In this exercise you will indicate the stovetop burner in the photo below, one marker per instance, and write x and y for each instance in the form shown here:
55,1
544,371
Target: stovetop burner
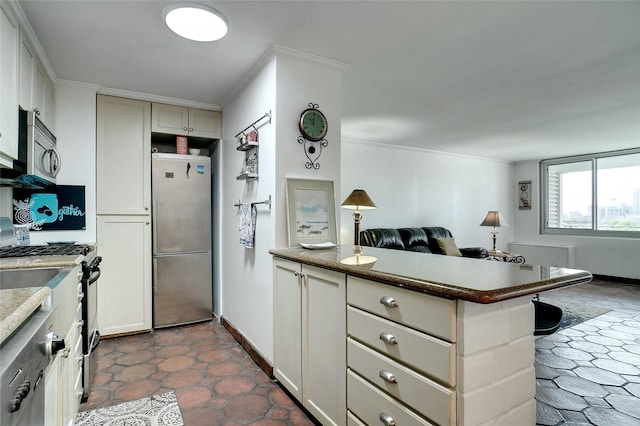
45,250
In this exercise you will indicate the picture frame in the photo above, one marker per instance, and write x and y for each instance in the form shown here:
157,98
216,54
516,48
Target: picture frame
524,195
311,211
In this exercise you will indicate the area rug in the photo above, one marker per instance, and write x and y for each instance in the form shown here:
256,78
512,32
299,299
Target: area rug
576,313
156,410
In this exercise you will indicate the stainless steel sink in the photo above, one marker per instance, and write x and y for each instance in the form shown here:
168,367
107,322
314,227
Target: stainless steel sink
22,278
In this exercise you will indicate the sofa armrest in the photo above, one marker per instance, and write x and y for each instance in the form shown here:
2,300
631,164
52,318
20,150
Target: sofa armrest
475,252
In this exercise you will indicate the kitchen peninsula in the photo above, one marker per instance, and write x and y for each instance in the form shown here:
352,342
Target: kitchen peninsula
412,338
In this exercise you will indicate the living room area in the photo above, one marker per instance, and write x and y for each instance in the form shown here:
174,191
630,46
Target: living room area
587,370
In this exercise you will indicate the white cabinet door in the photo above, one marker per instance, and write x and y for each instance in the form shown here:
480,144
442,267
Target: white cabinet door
169,119
287,326
53,402
205,124
124,288
27,59
179,120
8,90
123,169
324,344
310,338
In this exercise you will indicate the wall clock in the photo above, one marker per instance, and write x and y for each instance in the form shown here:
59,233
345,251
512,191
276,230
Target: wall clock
313,125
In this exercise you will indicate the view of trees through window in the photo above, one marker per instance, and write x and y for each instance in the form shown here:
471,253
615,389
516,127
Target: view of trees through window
610,182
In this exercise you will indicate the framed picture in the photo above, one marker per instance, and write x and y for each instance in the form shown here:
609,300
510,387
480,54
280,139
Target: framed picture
311,211
524,195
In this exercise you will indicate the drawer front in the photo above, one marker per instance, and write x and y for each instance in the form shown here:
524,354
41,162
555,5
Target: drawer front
430,356
430,314
370,405
428,398
352,420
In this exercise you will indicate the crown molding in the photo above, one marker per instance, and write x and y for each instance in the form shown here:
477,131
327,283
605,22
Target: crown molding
156,98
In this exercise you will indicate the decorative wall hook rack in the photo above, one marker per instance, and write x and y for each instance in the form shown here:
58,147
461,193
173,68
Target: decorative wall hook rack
256,124
267,202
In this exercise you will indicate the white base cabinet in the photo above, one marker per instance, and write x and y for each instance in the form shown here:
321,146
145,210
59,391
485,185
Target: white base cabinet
125,292
411,358
310,338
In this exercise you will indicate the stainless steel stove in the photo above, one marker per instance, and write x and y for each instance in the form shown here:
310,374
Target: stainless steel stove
45,250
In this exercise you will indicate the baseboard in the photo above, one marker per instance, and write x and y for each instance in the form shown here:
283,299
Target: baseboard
616,279
253,352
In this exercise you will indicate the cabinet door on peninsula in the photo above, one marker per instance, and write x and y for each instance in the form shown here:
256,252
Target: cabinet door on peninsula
309,337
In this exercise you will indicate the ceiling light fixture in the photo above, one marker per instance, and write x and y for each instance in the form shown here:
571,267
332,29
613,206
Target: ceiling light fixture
194,21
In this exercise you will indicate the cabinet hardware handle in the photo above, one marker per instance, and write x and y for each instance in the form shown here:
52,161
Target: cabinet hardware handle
184,128
80,323
36,111
388,377
191,129
387,420
147,222
388,338
389,301
146,208
65,352
295,273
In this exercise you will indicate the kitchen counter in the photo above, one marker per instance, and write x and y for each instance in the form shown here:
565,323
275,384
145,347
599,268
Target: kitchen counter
40,262
17,305
474,280
457,333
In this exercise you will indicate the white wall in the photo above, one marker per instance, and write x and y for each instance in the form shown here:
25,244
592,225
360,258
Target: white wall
618,257
413,188
245,274
285,85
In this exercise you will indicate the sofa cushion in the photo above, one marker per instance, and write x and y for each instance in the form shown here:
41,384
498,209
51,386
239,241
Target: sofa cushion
415,239
448,246
382,237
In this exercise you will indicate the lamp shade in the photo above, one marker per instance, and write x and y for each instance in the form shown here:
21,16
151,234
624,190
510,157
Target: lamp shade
358,200
494,218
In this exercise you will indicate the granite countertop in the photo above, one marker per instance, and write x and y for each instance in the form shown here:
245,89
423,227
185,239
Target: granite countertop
475,280
40,261
17,305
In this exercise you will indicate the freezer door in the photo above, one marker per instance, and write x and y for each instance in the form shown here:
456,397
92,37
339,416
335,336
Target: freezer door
181,189
181,289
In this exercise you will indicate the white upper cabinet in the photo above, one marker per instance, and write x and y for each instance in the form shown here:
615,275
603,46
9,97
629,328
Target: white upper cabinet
178,120
8,89
36,88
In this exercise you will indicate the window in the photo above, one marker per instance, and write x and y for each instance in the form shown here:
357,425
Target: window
596,194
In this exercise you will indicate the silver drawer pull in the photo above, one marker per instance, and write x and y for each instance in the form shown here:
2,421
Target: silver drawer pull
388,338
388,377
389,301
387,420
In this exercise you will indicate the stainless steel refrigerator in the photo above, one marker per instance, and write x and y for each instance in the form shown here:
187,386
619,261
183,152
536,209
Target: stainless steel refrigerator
181,212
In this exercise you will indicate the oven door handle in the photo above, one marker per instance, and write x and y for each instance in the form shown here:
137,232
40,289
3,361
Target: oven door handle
94,276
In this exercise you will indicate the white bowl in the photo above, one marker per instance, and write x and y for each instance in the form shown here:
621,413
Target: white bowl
194,151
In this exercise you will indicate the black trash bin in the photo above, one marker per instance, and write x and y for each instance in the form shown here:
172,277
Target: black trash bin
547,318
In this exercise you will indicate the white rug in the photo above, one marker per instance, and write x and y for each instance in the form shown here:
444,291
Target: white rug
156,410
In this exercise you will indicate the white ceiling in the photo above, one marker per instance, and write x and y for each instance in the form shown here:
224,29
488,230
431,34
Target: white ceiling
505,80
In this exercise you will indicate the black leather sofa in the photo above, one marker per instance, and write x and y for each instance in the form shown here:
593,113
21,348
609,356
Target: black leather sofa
425,240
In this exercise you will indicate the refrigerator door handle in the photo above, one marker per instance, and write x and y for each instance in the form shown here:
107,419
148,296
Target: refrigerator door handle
154,228
155,275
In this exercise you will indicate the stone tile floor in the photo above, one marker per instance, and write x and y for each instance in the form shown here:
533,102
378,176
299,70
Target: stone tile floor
215,381
589,374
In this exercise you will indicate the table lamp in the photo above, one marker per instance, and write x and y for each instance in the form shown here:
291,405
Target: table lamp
495,219
358,200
